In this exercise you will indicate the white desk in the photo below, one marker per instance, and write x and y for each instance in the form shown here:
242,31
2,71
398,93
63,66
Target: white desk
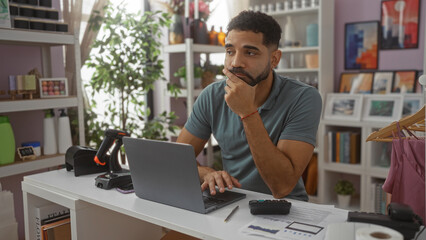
108,214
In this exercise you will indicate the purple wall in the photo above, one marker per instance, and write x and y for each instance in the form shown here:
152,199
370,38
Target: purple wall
369,10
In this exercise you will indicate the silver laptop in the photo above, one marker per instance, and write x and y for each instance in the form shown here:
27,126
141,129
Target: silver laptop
166,172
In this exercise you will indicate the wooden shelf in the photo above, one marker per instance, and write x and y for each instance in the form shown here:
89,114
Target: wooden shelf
37,104
27,37
19,166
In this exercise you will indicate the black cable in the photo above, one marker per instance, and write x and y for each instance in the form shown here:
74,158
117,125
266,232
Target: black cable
420,233
418,218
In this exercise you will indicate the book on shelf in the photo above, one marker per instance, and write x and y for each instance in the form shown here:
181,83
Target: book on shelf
57,230
378,198
344,147
46,213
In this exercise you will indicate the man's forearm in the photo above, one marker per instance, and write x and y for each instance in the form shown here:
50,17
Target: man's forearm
276,169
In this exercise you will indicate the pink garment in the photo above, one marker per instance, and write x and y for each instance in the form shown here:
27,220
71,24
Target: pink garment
406,177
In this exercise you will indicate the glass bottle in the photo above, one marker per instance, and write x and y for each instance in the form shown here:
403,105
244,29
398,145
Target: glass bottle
176,30
221,37
213,37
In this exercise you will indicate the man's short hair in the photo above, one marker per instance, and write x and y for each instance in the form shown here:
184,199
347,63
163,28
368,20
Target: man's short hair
257,22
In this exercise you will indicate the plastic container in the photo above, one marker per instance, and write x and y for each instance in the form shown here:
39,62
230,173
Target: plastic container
49,134
7,141
36,145
64,132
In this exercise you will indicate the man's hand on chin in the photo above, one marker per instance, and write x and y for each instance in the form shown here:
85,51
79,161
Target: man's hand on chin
239,95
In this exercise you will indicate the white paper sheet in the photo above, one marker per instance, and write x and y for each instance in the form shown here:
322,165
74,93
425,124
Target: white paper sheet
305,221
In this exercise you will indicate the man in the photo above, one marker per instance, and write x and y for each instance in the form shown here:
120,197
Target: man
265,124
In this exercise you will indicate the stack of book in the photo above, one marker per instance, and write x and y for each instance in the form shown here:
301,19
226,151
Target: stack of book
344,146
8,224
378,198
52,221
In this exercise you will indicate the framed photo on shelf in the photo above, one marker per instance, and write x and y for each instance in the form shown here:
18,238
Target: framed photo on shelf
343,106
382,82
53,87
399,24
361,45
412,103
404,81
378,107
356,82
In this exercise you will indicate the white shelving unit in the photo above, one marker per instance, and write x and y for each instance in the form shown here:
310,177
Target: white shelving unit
190,50
363,175
44,40
302,17
323,15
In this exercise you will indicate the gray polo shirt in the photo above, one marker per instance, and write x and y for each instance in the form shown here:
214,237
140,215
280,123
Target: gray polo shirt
292,111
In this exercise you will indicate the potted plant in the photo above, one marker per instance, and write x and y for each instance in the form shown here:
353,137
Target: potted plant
344,190
125,69
181,74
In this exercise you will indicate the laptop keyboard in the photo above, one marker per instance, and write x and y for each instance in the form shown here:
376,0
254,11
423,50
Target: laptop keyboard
211,201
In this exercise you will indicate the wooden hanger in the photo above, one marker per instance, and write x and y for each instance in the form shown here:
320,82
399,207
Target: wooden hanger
415,122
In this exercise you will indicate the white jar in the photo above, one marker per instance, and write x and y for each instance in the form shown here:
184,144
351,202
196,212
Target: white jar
271,7
264,8
279,6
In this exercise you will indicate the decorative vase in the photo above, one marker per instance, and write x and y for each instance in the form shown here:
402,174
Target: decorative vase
312,35
176,30
199,31
343,201
289,33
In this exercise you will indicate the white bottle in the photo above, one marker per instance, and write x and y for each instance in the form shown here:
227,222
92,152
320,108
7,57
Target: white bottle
49,134
289,33
64,132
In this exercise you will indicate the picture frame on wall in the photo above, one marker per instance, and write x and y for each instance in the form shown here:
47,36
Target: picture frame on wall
343,106
382,82
384,108
53,87
412,103
361,45
356,82
404,81
399,24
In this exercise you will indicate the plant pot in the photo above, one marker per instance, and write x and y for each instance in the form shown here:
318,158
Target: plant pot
343,200
197,82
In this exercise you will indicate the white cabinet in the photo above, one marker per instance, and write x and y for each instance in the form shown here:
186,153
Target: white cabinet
45,41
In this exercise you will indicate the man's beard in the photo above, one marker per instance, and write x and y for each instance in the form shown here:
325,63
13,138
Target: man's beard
249,79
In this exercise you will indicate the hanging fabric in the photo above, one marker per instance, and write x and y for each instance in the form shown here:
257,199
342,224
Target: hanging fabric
406,177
